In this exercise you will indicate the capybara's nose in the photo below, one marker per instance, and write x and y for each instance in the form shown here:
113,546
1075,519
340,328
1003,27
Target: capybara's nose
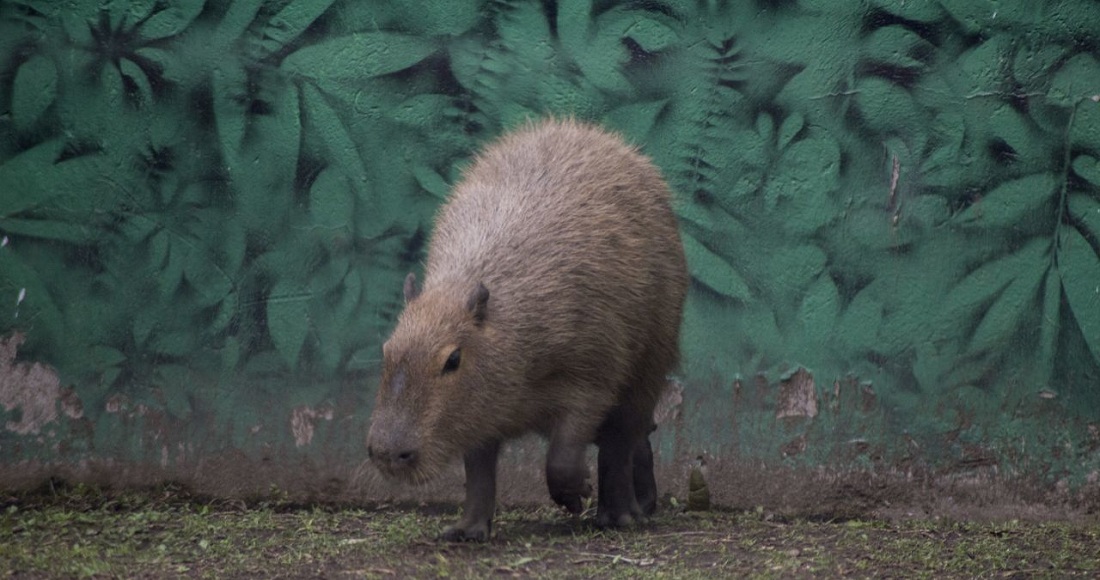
406,458
403,459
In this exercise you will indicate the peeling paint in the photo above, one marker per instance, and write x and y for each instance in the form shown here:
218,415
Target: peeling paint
794,446
669,407
71,405
797,396
302,420
32,388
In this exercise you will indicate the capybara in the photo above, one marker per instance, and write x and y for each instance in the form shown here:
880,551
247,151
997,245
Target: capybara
551,302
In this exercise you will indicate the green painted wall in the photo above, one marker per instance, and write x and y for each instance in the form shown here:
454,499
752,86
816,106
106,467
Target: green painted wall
891,209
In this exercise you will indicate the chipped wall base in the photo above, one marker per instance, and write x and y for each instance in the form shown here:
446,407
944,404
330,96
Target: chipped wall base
775,491
793,445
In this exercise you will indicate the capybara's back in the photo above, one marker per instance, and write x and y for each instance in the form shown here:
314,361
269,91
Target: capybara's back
551,302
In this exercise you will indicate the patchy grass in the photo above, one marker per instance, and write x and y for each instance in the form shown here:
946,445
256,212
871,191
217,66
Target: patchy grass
85,532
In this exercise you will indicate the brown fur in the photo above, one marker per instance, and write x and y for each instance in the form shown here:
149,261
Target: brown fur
571,232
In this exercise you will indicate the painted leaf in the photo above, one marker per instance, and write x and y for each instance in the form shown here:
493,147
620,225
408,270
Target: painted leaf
1087,210
1087,167
330,275
144,322
229,88
170,21
1077,80
896,46
1004,317
230,354
331,201
713,271
227,310
791,126
431,17
525,39
1048,328
168,279
358,56
422,110
291,22
48,230
651,34
886,107
137,79
1033,62
344,154
765,127
364,359
33,91
635,120
809,167
969,300
106,356
236,20
819,310
859,325
288,319
431,181
175,379
788,270
1079,267
176,343
1009,202
25,295
598,51
925,12
210,282
260,150
35,177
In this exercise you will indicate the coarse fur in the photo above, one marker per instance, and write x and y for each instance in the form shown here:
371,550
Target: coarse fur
551,302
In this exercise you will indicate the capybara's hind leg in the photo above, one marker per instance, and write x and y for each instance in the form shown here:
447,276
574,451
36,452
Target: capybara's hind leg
619,436
645,483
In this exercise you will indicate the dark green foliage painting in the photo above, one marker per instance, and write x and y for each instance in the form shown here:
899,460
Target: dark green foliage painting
891,211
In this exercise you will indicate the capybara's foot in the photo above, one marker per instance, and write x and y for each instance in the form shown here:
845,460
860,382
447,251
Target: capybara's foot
476,532
571,497
568,485
606,519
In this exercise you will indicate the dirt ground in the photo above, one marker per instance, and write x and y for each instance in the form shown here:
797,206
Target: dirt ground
64,531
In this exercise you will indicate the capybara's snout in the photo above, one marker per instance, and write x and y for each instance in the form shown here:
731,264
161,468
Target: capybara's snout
394,449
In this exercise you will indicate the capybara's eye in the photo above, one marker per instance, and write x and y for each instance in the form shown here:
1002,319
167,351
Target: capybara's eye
453,361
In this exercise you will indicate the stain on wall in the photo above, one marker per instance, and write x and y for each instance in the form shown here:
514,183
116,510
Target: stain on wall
891,212
31,390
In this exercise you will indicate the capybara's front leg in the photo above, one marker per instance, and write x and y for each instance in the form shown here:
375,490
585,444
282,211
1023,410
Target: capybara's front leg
476,524
566,472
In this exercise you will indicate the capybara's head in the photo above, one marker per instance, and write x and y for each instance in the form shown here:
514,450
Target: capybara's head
433,377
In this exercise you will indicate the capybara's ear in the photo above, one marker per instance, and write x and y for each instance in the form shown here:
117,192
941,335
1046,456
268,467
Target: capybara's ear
478,302
411,291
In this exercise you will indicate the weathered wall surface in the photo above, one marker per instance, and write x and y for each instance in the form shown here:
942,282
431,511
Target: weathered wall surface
891,210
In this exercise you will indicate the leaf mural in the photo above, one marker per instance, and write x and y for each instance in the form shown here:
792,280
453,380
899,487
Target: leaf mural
289,23
288,319
260,134
359,56
1079,265
1009,203
904,196
713,271
33,91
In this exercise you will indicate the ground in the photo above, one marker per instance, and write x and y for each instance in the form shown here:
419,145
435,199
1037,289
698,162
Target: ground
63,531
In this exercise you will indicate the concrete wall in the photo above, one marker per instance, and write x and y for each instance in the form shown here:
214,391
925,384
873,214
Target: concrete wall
891,210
